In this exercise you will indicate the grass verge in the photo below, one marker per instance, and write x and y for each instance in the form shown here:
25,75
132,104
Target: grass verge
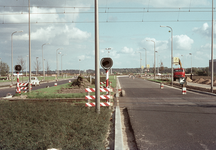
52,92
45,125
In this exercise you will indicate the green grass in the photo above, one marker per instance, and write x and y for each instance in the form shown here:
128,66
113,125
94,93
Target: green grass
45,125
52,92
40,78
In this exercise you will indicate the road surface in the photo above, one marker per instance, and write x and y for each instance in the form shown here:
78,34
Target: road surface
4,91
164,119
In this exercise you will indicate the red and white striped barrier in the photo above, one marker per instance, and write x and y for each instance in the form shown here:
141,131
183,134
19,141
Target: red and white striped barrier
23,84
102,82
93,104
184,90
55,84
101,97
102,86
101,90
17,87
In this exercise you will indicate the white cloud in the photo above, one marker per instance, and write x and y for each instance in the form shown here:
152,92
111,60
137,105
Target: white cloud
127,50
182,42
59,33
204,30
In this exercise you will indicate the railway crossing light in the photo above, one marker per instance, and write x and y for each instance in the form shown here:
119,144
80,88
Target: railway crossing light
106,63
18,68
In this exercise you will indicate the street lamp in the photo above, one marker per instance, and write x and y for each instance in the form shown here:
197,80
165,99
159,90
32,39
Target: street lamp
43,60
61,62
156,60
191,64
26,64
140,63
154,57
171,52
57,61
36,66
145,58
12,54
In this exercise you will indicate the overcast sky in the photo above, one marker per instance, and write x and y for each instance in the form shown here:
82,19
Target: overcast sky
124,26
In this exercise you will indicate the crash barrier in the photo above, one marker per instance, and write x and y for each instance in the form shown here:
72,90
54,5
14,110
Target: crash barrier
90,97
184,90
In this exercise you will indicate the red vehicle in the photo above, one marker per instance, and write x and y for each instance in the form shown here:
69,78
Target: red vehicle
179,72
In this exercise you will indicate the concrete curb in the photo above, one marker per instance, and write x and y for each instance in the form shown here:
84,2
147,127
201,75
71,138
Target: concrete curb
188,89
118,130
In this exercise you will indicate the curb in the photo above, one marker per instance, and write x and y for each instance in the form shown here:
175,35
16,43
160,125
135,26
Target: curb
191,90
118,130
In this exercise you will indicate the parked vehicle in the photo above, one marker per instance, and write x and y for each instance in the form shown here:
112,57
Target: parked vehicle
35,81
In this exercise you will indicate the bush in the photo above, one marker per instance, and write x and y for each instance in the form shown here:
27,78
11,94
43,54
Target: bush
45,125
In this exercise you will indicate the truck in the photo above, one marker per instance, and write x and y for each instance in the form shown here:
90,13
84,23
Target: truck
179,72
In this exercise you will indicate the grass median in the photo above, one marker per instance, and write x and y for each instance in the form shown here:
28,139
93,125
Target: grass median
42,125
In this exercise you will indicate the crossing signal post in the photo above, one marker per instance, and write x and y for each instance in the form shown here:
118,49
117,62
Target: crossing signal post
18,68
106,63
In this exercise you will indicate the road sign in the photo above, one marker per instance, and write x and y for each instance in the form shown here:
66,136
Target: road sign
175,60
142,67
148,66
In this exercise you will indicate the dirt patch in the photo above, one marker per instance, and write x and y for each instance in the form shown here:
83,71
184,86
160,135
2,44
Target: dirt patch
208,81
200,80
71,90
188,79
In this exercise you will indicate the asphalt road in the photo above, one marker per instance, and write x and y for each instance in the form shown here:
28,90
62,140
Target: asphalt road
3,92
164,119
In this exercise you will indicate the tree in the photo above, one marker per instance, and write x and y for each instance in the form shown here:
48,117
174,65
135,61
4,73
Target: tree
48,68
161,67
4,68
37,66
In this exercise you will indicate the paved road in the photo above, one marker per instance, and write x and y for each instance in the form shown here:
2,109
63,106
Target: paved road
3,92
166,119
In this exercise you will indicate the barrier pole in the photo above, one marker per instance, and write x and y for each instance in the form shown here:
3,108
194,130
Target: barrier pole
17,87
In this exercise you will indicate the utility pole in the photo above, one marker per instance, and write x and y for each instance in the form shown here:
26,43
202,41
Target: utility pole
29,49
212,52
97,69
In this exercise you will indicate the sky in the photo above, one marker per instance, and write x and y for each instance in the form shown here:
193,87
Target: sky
128,28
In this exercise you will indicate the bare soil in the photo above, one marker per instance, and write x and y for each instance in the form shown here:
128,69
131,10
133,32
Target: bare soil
71,90
201,80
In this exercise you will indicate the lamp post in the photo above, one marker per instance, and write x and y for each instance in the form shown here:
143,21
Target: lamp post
140,63
191,64
61,63
12,54
57,61
145,58
26,64
43,61
154,58
171,52
36,66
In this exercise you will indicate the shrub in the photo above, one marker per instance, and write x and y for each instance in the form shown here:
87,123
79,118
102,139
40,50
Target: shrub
45,125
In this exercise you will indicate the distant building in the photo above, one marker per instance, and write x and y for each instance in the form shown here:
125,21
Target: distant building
213,65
